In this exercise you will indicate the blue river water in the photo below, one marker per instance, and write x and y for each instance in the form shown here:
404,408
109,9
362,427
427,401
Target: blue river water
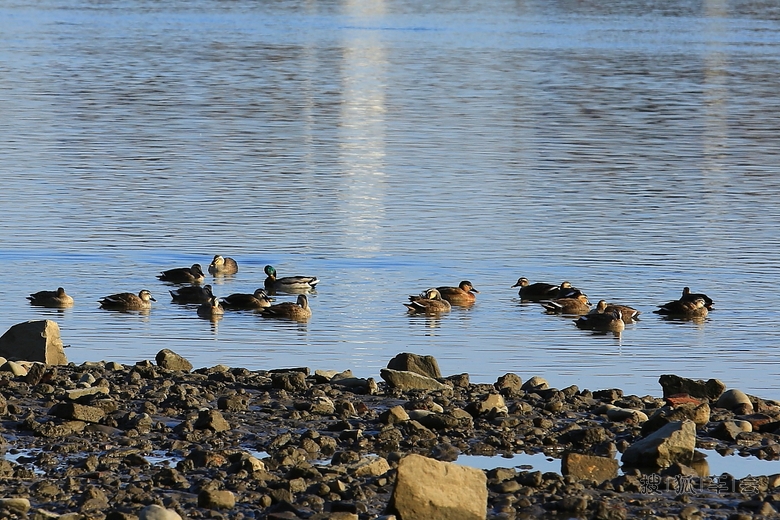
391,146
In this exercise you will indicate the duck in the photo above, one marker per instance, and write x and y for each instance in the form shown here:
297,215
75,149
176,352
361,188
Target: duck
192,274
242,301
684,309
430,302
688,296
223,265
628,314
211,308
299,310
576,305
535,291
128,301
56,298
463,294
288,284
192,294
612,321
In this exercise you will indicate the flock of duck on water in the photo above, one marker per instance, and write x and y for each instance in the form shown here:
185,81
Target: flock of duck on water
210,306
556,299
564,299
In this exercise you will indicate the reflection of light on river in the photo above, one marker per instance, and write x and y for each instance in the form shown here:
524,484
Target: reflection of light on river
715,88
362,128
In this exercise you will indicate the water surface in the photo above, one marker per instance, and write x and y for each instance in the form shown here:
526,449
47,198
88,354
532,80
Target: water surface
391,146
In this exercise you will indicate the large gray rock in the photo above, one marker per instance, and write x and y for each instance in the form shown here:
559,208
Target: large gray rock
34,341
426,489
423,365
589,467
405,380
672,385
672,443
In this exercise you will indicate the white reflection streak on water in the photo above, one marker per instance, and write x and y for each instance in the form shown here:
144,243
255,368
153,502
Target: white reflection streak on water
362,140
715,89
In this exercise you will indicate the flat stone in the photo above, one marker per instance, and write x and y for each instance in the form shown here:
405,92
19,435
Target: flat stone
589,467
427,489
34,341
406,380
78,393
616,413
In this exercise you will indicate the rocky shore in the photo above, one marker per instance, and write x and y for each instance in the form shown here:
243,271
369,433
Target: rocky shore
159,440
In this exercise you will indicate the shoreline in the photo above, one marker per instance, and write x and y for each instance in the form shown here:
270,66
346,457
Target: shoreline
105,440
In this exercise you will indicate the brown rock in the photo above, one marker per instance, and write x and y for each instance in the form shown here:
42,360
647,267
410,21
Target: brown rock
216,499
211,419
77,412
427,489
589,467
406,380
509,383
170,360
35,374
396,414
34,341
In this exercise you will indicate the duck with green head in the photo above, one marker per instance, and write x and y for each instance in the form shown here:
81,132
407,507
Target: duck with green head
288,284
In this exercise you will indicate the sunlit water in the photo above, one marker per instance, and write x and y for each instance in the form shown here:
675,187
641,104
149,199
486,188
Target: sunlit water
387,147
